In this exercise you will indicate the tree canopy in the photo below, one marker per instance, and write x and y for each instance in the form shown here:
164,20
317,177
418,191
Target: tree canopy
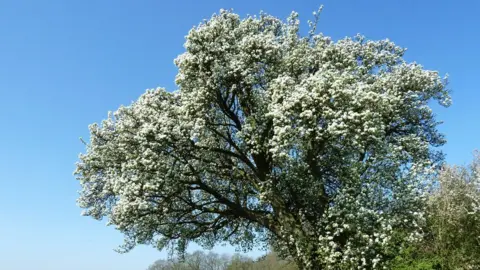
316,147
199,260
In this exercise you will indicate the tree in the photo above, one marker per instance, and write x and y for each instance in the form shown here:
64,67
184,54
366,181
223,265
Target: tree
268,262
452,238
213,261
197,260
163,265
272,262
454,217
312,146
240,262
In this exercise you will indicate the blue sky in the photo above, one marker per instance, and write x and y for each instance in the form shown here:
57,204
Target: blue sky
65,64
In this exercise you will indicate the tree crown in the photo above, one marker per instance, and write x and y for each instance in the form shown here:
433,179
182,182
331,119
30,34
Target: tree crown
289,140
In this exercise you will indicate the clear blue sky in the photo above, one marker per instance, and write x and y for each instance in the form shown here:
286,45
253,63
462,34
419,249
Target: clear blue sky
64,64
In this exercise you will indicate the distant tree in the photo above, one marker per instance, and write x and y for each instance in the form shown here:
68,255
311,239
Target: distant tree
313,146
454,217
197,260
240,262
213,261
452,238
272,262
162,265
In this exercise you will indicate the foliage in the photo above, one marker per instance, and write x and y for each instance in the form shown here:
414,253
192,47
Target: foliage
454,219
239,262
213,261
312,146
197,260
416,257
272,262
452,239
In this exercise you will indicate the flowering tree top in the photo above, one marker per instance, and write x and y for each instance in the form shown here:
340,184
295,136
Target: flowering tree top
303,143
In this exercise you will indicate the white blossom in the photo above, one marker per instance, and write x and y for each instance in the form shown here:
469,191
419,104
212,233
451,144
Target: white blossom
319,148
